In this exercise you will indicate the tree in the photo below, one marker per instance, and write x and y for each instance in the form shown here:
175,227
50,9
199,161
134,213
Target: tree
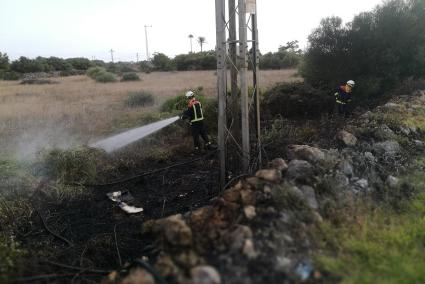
162,62
4,61
190,38
379,49
201,41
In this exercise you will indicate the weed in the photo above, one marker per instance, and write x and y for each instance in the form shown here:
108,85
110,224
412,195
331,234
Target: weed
71,166
10,255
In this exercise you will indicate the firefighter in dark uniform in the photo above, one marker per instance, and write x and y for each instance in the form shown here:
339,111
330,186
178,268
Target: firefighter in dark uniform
196,118
343,97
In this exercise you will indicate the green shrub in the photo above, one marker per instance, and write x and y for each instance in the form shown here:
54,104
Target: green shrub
132,76
71,166
105,77
137,99
92,72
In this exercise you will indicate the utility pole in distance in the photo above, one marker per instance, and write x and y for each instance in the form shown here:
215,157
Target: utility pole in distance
112,55
147,44
137,57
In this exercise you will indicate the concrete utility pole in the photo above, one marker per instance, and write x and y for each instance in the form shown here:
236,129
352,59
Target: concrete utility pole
147,44
243,67
112,55
234,121
190,38
221,85
137,57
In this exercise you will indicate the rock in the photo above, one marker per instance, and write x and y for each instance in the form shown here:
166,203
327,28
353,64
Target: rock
391,106
361,185
166,266
249,212
198,217
405,130
310,196
392,182
282,264
347,138
370,157
272,175
304,152
205,274
232,195
247,197
187,259
366,115
138,276
346,168
238,236
341,180
299,170
419,143
385,129
389,148
175,230
248,249
278,164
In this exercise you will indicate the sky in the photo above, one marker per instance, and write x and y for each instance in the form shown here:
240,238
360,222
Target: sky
91,28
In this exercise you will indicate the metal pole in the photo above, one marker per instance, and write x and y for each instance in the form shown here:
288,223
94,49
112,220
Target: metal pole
255,69
244,87
221,84
147,44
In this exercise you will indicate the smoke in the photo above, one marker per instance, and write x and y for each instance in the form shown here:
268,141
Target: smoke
34,140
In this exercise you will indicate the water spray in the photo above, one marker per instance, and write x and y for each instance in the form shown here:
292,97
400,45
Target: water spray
118,141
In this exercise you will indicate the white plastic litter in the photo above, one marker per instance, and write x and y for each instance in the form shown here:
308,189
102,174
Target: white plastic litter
119,196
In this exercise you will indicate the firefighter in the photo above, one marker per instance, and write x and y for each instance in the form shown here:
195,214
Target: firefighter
343,97
195,116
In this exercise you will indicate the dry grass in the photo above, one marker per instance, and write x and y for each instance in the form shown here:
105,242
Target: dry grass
80,108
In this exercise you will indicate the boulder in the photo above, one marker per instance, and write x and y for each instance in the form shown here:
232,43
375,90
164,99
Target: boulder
304,152
392,182
310,196
248,249
249,212
346,168
205,274
238,236
299,170
174,230
405,130
271,175
278,164
347,138
361,185
370,157
388,148
419,143
138,276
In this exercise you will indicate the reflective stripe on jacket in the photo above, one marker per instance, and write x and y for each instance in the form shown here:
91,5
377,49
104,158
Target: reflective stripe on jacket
195,108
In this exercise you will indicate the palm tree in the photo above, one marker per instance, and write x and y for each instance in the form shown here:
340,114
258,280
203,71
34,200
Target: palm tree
190,37
201,41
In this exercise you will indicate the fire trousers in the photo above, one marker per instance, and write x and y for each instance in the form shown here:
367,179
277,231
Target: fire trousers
198,129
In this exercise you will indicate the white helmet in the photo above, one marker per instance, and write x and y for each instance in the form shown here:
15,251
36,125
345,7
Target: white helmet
190,94
351,83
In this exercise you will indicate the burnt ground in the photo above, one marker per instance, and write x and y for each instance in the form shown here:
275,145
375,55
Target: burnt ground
86,236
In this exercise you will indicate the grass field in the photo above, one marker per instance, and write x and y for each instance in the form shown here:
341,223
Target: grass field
76,109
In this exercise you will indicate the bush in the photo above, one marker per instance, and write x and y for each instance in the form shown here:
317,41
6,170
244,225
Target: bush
71,166
297,100
9,75
101,75
288,56
137,99
92,72
130,77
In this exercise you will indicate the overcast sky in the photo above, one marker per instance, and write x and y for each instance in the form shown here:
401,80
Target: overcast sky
90,28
